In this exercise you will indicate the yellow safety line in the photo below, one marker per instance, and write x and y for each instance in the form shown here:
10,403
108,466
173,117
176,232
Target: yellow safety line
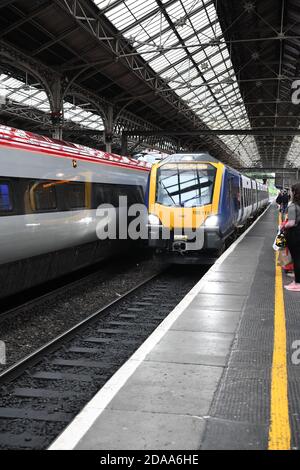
280,432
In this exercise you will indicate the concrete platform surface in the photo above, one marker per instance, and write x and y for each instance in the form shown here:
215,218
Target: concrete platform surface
203,379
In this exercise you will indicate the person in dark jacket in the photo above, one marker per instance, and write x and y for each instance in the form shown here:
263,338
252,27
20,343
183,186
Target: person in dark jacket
283,201
292,233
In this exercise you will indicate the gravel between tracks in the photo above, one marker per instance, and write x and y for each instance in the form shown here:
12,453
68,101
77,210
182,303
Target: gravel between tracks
32,326
38,404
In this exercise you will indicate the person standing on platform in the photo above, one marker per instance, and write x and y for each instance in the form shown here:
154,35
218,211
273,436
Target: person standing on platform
283,201
292,233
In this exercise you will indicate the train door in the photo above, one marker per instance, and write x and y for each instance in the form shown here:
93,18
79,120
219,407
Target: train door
241,200
234,201
255,196
244,197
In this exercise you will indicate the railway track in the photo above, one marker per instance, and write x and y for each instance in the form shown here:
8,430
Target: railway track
11,305
41,318
41,394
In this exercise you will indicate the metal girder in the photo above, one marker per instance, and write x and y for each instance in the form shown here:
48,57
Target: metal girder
89,18
271,170
5,3
29,114
42,123
203,132
48,75
41,8
86,17
189,55
52,42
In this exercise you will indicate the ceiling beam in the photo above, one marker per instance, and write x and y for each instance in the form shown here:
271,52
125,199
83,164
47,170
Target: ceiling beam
254,132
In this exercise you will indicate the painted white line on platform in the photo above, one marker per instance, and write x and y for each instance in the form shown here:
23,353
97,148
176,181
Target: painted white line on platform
91,412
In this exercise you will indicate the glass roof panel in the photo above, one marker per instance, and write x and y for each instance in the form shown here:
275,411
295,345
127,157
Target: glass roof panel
30,96
196,24
182,41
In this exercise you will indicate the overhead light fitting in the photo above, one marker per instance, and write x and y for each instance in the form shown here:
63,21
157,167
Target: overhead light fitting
131,40
215,42
255,55
228,81
180,21
249,6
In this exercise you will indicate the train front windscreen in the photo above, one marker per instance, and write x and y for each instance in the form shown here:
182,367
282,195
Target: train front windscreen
185,184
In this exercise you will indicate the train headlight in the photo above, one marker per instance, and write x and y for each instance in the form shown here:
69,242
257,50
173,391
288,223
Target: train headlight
153,219
212,221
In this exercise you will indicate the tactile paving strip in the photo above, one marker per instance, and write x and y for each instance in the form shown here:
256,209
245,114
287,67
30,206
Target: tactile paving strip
239,415
243,396
292,308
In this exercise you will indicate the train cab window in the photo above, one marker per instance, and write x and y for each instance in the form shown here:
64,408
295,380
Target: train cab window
44,196
75,195
6,204
185,185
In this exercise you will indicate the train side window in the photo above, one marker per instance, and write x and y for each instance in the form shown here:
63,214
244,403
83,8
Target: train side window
132,193
6,204
122,192
107,195
135,195
45,196
75,195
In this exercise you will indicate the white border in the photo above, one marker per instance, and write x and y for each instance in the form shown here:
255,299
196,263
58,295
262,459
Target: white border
91,412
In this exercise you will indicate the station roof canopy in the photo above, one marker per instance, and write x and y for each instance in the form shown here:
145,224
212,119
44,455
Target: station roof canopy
160,65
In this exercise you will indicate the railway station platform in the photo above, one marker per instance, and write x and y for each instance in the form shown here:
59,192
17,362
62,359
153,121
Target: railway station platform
221,372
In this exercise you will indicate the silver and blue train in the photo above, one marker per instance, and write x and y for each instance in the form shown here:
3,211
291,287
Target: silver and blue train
190,192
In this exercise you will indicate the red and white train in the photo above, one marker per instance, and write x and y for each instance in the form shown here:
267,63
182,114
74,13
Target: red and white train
49,193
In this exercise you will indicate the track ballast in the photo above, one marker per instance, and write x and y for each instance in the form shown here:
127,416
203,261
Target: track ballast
42,394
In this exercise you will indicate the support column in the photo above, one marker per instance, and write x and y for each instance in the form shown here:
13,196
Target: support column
57,109
109,128
124,145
